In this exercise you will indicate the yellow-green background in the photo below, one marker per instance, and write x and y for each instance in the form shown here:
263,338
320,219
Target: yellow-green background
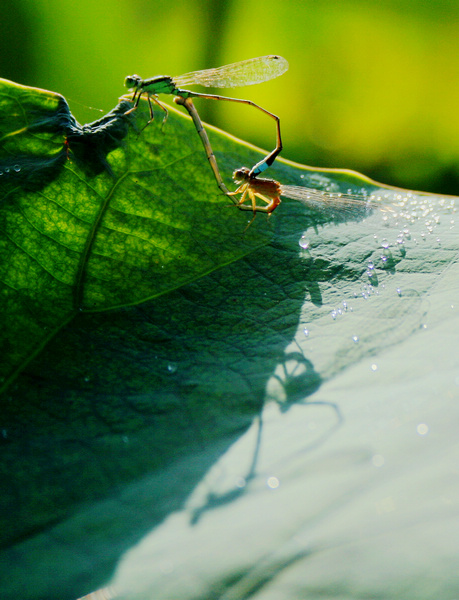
373,85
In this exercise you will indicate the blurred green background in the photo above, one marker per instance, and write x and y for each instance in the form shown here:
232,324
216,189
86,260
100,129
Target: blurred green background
372,86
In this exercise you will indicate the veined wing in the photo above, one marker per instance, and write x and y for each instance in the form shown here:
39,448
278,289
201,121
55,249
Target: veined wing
240,74
350,205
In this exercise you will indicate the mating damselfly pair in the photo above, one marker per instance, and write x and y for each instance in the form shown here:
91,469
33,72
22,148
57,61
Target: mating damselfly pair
240,74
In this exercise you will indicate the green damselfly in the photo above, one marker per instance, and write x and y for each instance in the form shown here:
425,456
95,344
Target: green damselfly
246,72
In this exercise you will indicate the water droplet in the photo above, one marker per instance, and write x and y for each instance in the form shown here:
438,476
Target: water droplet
304,243
172,368
399,291
17,168
87,379
355,339
371,265
422,429
272,482
306,332
377,460
333,314
374,367
385,244
7,170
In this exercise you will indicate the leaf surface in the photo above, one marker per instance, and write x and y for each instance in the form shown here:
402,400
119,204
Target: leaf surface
168,376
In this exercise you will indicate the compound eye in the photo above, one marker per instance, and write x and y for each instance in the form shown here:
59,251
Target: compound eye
131,81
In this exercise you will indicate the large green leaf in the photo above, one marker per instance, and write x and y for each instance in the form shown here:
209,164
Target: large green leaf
107,215
101,216
307,349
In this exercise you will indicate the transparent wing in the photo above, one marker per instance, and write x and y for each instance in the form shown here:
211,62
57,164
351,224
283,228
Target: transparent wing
336,204
240,74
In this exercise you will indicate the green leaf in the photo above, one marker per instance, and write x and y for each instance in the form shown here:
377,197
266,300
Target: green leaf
100,216
110,214
299,350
